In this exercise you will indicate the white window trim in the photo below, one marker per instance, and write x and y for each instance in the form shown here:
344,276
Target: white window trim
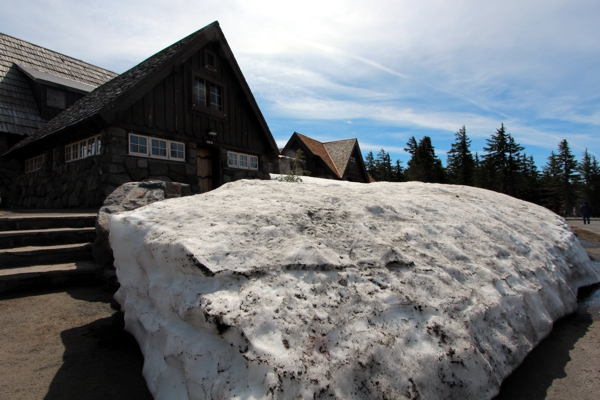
34,164
149,148
182,158
71,156
167,148
237,157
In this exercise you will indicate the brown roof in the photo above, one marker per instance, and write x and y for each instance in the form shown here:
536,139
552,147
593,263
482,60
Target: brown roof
319,149
19,113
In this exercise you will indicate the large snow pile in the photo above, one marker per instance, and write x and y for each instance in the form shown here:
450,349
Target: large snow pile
269,289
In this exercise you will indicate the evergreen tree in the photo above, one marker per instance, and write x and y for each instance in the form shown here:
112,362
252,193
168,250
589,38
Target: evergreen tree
551,184
569,176
502,161
383,166
411,146
589,171
399,172
424,165
297,169
528,180
479,173
370,163
461,165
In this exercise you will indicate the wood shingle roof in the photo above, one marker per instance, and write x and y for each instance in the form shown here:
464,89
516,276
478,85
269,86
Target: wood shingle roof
104,102
319,149
19,113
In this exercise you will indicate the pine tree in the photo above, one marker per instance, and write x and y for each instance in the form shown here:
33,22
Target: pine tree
569,175
551,184
461,165
297,169
370,163
411,146
424,165
383,166
479,173
399,172
502,161
589,171
528,181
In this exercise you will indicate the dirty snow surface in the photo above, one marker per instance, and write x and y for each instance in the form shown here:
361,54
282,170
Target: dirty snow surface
266,289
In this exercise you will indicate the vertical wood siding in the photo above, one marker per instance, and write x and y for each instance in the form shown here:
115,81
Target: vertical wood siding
167,109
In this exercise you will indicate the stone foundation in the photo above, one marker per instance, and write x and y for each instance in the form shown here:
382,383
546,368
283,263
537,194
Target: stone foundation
85,183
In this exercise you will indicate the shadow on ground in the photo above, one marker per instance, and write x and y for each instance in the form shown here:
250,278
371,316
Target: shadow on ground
548,360
101,360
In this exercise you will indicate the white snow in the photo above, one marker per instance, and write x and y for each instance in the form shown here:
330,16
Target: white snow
266,289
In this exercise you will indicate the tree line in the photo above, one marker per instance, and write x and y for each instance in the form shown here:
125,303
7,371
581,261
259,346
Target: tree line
562,184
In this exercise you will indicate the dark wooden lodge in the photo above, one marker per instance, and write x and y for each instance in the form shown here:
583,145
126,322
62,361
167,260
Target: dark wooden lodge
186,115
36,84
339,159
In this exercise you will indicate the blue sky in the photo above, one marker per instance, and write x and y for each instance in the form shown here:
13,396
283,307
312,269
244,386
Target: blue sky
381,71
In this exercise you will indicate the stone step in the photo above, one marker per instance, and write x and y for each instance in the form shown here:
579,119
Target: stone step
46,221
47,276
46,237
36,255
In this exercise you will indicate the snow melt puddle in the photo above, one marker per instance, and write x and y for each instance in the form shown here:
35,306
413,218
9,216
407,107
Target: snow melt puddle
324,288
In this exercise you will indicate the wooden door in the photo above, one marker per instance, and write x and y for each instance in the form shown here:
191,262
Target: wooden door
205,170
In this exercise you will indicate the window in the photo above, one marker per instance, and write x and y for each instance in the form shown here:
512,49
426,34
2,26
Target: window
207,94
232,159
253,162
177,151
243,161
210,61
138,145
83,148
34,164
215,97
156,148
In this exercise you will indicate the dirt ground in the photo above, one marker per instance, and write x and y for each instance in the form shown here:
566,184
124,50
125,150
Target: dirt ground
67,344
71,345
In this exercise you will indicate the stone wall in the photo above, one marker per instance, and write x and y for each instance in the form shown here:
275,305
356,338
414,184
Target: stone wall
85,183
8,169
59,184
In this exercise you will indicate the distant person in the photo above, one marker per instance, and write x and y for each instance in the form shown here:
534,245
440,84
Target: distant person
586,212
574,211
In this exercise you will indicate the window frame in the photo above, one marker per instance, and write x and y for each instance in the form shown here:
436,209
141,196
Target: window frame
158,142
209,85
84,148
250,160
214,67
34,164
149,148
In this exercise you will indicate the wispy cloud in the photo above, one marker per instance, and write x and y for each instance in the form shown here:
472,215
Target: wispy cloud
412,68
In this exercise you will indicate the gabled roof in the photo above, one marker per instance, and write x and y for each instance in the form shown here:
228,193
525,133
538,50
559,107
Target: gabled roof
105,101
19,113
340,152
335,154
319,149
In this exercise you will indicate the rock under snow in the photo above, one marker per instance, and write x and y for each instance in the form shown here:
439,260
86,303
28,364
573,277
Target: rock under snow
127,197
266,289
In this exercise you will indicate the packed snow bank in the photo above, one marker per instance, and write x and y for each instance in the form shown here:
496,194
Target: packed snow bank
284,290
